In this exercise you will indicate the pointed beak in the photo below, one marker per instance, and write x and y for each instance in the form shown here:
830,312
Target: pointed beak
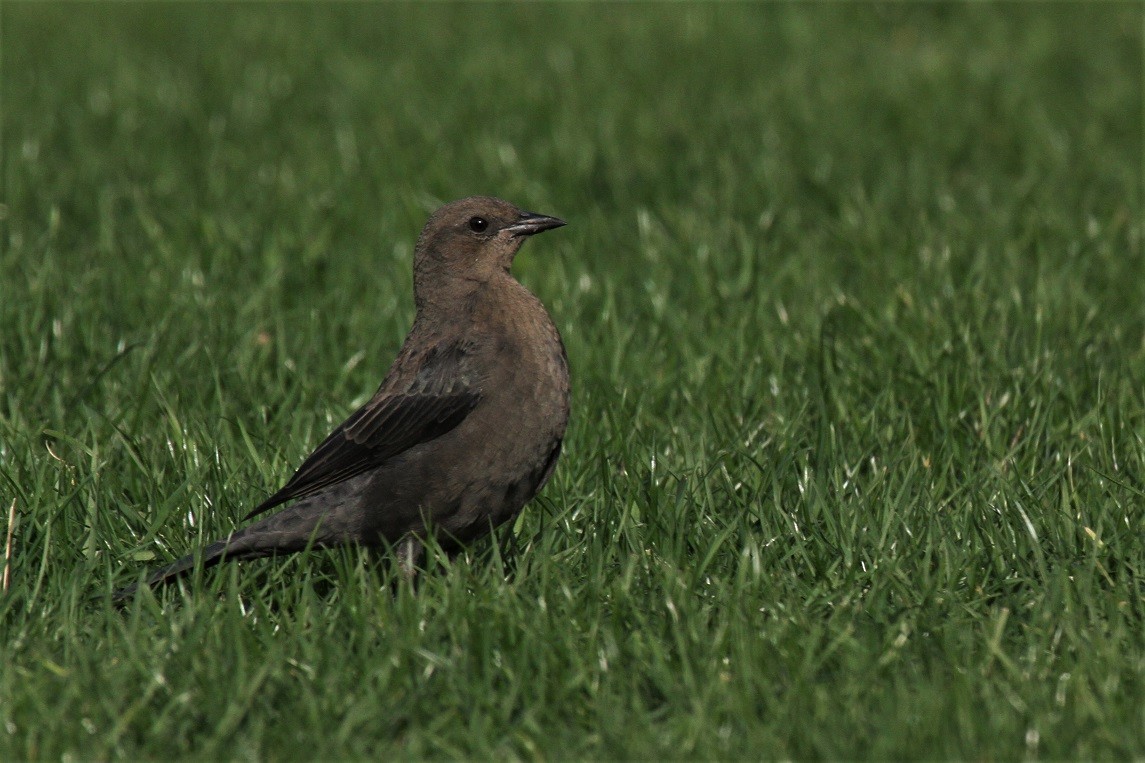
530,223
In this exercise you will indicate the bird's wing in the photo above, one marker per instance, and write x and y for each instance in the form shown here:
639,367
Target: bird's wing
437,400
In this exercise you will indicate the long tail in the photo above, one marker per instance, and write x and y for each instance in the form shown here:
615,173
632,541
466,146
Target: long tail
293,529
212,555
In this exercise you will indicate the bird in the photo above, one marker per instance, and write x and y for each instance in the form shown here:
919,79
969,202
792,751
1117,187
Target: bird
465,427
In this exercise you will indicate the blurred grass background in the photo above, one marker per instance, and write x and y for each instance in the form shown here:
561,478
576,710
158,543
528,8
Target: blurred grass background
854,297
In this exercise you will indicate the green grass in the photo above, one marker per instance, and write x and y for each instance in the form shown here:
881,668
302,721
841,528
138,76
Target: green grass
854,298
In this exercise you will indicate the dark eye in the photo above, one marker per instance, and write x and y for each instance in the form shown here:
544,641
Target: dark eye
478,224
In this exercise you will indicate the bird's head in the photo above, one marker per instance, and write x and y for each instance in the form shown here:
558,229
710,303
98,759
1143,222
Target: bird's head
473,239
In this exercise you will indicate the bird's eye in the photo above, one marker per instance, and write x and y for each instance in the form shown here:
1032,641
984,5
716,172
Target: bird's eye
478,224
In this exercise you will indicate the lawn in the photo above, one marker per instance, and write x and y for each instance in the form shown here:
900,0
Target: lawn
854,300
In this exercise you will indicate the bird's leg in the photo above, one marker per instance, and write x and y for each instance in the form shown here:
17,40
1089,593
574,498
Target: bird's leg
410,551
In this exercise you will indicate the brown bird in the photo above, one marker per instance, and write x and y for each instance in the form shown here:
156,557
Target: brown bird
465,428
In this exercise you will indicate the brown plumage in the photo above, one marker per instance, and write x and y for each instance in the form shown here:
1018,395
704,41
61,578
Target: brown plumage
465,428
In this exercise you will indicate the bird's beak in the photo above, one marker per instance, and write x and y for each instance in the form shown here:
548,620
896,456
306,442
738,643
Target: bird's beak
530,223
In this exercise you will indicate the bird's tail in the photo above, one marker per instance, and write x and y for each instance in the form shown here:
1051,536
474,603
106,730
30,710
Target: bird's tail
293,529
211,555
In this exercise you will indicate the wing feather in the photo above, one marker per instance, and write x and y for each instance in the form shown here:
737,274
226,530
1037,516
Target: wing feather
392,422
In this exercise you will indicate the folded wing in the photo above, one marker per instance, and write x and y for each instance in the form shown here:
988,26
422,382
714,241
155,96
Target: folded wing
393,421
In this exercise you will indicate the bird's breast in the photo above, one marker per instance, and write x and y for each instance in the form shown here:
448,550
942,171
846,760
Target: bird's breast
527,379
